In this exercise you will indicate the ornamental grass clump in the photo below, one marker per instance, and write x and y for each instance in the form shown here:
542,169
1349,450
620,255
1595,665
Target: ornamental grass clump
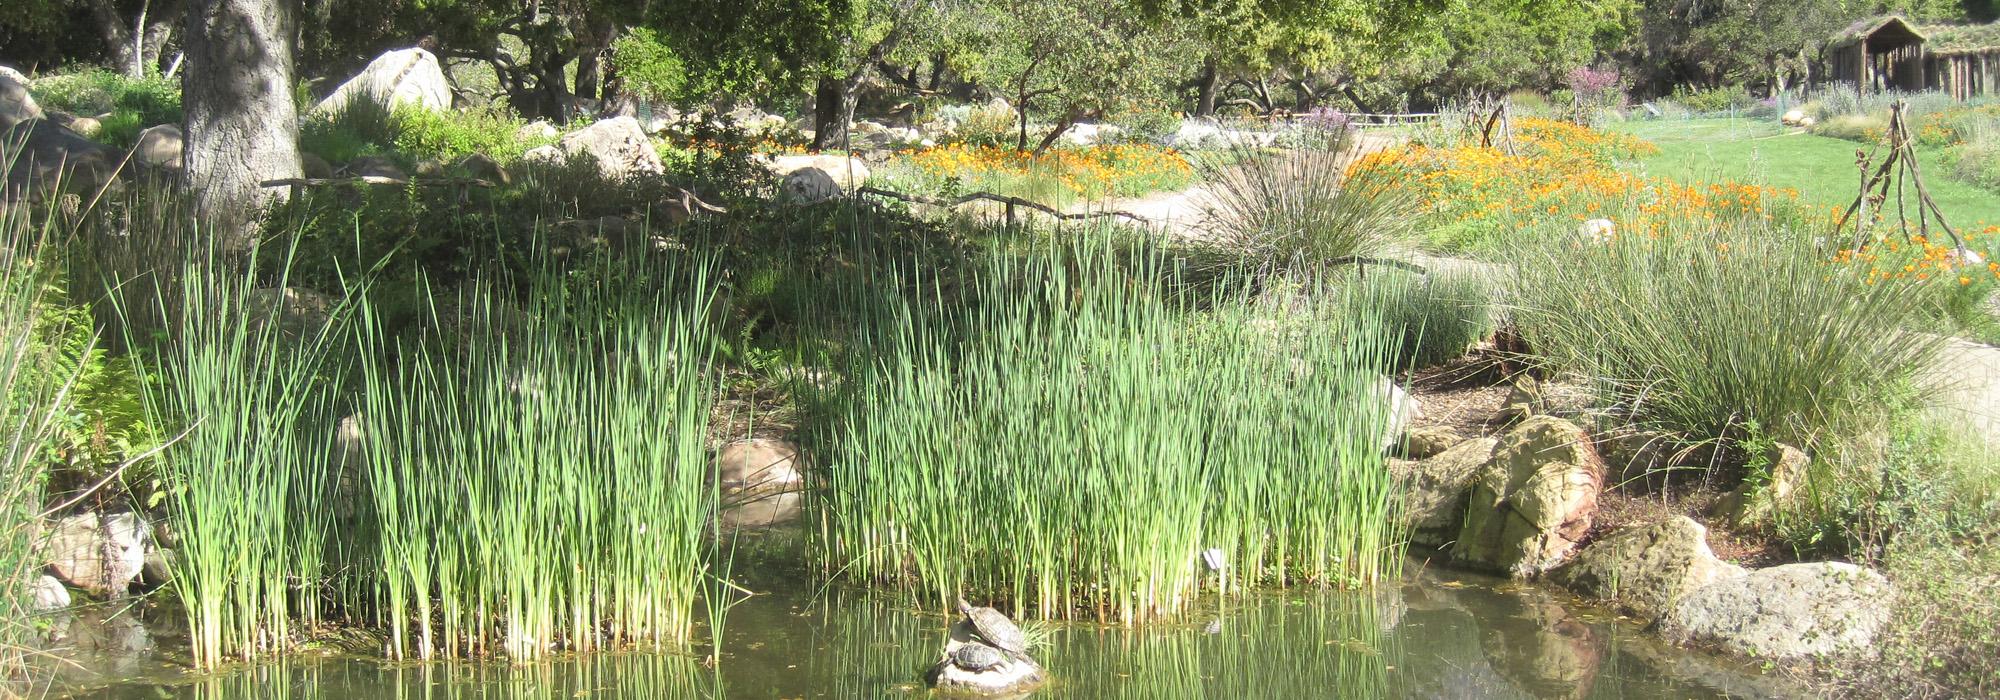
1437,316
1067,431
1307,208
1708,329
536,477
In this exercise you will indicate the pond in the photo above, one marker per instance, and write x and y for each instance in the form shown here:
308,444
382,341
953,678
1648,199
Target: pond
1438,634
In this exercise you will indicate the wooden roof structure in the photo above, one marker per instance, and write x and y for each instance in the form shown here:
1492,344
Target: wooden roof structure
1891,52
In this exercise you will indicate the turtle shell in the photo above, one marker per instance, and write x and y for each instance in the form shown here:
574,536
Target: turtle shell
995,628
976,657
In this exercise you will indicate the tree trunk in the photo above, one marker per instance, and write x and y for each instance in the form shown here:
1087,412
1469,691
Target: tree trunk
592,44
831,113
1205,87
1062,127
833,99
242,124
118,46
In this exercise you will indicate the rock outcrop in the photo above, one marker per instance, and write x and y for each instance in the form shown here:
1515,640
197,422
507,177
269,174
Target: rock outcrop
618,145
102,553
1790,611
760,480
1534,501
42,155
845,172
1753,504
1644,569
16,104
159,147
410,77
1435,490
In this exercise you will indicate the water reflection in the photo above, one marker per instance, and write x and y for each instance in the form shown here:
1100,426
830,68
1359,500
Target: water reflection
1439,636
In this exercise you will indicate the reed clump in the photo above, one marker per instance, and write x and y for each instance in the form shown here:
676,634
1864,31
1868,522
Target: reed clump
536,477
1068,429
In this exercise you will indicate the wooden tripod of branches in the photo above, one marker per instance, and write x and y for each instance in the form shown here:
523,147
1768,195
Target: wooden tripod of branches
1899,168
1491,120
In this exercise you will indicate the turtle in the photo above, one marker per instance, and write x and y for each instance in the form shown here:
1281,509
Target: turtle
977,657
995,628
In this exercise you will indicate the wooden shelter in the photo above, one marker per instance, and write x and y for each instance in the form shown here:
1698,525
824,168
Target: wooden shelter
1884,53
1963,60
1893,53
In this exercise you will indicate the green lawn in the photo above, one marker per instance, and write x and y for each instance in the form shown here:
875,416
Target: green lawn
1822,169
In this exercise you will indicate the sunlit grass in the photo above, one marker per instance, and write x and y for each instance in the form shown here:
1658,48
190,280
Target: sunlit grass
1065,433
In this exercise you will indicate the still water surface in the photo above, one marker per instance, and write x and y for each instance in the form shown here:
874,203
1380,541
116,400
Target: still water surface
1439,635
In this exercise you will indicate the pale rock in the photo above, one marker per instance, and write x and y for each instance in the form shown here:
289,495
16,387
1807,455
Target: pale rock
1643,569
1429,441
46,594
760,480
1753,503
1533,503
411,77
1435,489
99,553
618,145
1793,117
1785,612
536,130
159,147
847,172
16,103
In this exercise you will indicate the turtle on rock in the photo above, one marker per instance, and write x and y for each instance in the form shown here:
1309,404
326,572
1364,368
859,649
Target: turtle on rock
995,628
977,657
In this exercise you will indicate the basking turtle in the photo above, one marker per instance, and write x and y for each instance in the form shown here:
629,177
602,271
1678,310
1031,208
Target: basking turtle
995,628
977,657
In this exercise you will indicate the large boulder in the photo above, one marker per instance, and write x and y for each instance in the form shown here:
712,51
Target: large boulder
159,147
808,185
1534,501
43,155
618,145
16,104
760,482
1429,441
410,77
1790,611
98,552
1434,490
1643,569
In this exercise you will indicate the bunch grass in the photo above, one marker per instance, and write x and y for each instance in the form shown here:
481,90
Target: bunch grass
1713,326
1306,208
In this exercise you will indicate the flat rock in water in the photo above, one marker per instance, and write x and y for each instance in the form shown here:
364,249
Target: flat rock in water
1790,611
760,482
1644,569
100,553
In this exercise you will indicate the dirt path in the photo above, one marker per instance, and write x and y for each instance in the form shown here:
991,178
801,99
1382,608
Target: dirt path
1968,377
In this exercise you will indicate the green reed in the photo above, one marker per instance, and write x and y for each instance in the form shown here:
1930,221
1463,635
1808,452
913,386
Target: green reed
537,474
35,396
1067,428
249,494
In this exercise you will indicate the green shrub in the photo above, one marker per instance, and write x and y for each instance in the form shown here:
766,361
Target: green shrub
1714,100
650,68
449,135
1704,329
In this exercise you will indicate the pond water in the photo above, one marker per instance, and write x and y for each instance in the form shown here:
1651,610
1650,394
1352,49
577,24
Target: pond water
1438,635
